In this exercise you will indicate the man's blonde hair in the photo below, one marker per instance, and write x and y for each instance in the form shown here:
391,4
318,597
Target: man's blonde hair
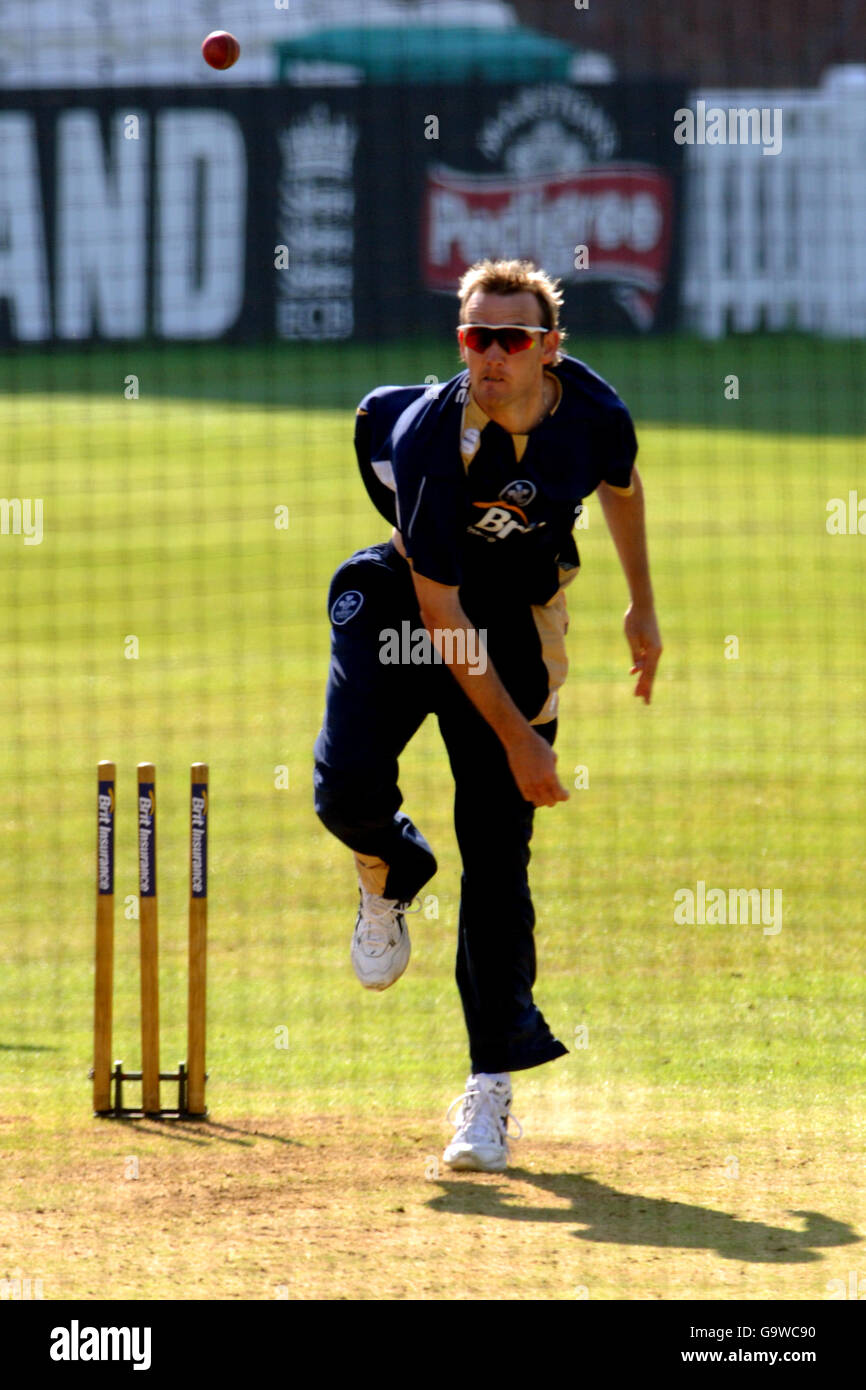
513,277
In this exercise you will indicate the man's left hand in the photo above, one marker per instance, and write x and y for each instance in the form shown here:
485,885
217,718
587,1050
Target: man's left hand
644,639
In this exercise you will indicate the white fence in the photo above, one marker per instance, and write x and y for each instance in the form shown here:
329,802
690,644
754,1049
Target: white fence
775,241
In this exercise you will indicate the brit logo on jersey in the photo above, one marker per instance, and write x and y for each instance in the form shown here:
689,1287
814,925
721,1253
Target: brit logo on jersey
508,515
346,606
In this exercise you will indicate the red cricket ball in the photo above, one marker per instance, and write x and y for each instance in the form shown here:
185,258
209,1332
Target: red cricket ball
221,49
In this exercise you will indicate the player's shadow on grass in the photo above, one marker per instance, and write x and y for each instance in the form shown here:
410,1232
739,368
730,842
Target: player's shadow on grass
622,1218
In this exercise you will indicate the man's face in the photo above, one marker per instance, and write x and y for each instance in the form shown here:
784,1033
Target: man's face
499,378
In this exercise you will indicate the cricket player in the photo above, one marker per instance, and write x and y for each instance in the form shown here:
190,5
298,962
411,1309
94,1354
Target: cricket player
462,613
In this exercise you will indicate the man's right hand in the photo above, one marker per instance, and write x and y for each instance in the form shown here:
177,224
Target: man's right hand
533,765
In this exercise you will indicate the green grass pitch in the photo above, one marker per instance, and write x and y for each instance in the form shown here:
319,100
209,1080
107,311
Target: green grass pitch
705,1136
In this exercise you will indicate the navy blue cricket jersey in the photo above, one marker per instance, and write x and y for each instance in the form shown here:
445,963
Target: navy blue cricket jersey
493,513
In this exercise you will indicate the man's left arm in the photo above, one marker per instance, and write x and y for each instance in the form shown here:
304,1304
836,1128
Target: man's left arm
625,517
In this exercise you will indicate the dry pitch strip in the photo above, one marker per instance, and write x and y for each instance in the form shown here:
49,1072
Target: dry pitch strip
190,1076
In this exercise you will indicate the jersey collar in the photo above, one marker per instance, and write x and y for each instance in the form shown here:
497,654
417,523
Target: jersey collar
474,420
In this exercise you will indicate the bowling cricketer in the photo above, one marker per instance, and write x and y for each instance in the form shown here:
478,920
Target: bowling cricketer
462,614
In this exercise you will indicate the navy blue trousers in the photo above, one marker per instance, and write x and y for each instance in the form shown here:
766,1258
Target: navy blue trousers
372,710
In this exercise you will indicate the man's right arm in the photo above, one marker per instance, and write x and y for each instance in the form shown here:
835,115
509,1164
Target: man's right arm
530,757
428,535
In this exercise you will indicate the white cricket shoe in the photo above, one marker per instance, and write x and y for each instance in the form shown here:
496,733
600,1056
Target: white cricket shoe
380,946
481,1141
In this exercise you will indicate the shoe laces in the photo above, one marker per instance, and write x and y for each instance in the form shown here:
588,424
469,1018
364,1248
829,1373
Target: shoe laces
379,918
484,1116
